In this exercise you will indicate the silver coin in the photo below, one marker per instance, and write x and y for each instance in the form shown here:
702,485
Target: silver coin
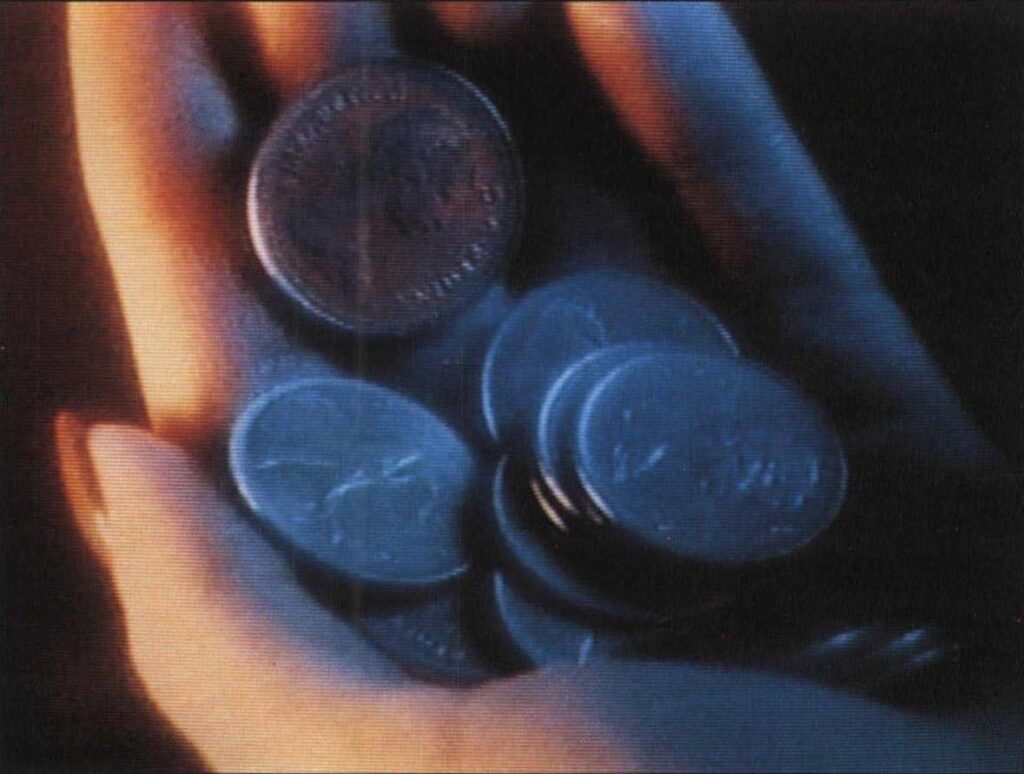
556,421
872,656
357,478
443,369
540,555
430,638
386,197
561,322
543,637
709,459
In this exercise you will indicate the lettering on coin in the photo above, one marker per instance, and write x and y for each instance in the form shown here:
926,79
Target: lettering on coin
387,197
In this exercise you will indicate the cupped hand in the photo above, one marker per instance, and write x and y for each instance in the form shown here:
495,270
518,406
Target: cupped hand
170,102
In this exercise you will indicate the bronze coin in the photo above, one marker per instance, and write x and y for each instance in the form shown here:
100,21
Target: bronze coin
386,197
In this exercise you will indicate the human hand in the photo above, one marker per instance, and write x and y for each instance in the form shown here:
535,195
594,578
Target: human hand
248,666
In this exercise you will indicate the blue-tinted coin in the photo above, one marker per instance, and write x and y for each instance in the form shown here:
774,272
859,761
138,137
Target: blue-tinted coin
357,478
430,639
541,636
871,656
709,459
386,197
557,516
442,368
556,422
542,556
562,322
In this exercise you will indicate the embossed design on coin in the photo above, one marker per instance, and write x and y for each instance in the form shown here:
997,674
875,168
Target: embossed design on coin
564,321
386,197
430,639
712,459
357,478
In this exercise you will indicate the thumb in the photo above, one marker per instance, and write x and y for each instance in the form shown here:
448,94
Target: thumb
253,671
224,641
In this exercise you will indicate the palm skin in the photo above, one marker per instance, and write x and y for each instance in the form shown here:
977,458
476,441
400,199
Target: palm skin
237,655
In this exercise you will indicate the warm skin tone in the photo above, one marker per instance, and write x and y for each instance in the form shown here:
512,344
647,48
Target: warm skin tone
253,671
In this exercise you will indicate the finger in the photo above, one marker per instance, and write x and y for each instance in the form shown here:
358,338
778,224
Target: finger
685,717
250,669
301,42
683,80
202,600
250,695
78,478
158,136
481,23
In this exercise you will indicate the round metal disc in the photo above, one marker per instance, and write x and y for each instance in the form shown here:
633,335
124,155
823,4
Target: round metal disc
357,478
562,322
541,636
533,551
711,459
430,639
556,421
386,197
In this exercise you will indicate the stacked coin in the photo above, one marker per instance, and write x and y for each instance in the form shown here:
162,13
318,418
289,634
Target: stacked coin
651,470
641,466
632,410
378,495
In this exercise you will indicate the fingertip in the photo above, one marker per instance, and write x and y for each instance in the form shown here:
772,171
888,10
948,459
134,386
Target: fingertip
152,109
301,42
149,491
481,23
81,488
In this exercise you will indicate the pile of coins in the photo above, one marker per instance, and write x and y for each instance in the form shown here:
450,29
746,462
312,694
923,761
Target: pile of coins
617,472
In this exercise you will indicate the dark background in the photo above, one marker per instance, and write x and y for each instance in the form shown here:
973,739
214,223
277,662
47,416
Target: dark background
912,110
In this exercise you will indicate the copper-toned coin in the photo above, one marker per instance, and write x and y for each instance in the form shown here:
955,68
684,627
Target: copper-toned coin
386,197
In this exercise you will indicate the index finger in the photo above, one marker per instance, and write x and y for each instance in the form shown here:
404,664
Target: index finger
157,136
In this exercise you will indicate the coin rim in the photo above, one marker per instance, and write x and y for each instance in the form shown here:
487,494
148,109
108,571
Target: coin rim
482,670
590,602
429,318
496,428
503,590
545,447
584,462
236,464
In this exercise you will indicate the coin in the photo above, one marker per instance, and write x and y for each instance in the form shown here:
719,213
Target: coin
443,369
556,420
709,459
386,197
871,656
561,322
541,556
541,636
357,478
430,639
